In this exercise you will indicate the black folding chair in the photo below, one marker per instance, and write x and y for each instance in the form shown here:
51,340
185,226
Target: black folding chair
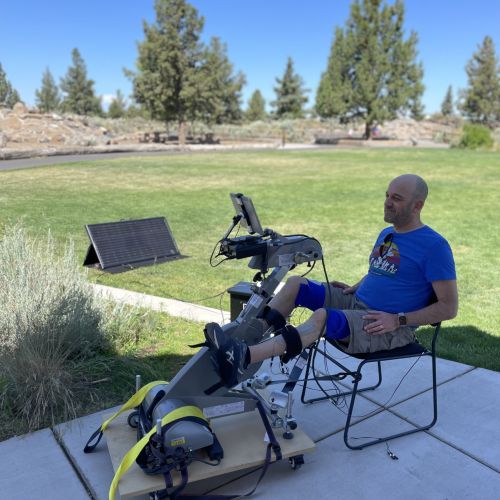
412,350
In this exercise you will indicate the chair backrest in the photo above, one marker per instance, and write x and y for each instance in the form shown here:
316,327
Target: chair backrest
433,300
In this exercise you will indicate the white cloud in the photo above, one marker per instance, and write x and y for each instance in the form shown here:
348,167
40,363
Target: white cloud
107,99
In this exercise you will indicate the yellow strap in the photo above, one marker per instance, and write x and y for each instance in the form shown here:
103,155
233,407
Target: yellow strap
133,453
134,401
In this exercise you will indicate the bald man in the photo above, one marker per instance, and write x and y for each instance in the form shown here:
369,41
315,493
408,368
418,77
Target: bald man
411,281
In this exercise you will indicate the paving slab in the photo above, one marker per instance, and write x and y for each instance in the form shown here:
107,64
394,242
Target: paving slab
468,414
426,468
34,466
95,468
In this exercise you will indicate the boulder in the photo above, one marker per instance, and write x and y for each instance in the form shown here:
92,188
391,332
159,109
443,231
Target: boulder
19,108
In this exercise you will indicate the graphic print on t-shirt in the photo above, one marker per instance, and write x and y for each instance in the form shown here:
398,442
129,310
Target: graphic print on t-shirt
385,259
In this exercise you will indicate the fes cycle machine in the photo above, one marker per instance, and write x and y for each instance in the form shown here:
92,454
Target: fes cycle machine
196,421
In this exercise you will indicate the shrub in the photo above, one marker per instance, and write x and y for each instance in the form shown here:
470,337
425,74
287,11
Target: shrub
49,323
476,136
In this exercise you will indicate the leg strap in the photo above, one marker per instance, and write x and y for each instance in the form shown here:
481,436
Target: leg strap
293,342
273,318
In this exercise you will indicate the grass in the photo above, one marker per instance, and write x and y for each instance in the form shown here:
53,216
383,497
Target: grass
65,351
335,196
155,349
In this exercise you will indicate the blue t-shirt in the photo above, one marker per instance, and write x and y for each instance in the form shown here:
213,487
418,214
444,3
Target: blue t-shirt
402,267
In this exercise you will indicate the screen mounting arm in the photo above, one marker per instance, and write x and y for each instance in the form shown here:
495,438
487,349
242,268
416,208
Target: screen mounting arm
236,219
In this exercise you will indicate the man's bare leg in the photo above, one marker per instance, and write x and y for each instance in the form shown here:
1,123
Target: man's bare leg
276,346
284,300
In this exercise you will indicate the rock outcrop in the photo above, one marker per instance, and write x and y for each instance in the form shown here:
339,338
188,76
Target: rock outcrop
25,133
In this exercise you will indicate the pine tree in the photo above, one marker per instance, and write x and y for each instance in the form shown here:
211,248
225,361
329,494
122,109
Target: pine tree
13,98
8,95
117,108
335,91
447,105
481,100
169,77
135,110
372,73
78,91
256,107
221,89
290,94
48,98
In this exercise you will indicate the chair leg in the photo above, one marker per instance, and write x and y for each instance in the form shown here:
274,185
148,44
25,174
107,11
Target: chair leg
434,390
393,436
356,376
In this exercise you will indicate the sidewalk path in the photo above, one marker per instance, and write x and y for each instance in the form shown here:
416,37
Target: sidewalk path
178,308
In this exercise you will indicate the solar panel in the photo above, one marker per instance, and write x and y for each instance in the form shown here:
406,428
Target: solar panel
119,246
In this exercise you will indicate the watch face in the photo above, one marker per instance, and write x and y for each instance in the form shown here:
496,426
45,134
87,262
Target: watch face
402,319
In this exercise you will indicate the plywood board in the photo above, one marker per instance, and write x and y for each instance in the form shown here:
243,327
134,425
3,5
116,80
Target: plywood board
241,436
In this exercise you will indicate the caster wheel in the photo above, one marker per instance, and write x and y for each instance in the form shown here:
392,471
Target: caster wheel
296,462
133,419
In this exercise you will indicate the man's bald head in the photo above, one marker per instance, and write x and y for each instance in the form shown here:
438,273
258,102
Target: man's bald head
415,184
404,200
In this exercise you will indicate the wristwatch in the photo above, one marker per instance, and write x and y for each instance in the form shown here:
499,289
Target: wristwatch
402,319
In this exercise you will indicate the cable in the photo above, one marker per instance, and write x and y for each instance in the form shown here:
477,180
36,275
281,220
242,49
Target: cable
220,306
210,260
236,223
383,405
208,298
309,270
220,261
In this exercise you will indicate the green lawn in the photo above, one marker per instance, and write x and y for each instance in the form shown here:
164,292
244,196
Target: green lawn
335,196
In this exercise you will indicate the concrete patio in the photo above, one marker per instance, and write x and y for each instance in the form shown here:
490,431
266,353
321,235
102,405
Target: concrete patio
458,458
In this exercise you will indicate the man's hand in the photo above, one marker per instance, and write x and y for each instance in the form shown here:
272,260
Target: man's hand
346,289
381,322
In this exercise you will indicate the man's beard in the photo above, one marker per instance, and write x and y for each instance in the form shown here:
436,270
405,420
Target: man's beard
397,219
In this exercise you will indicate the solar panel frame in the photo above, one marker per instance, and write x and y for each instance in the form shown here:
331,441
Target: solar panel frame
128,244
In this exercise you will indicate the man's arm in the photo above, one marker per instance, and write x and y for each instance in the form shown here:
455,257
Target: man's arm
445,307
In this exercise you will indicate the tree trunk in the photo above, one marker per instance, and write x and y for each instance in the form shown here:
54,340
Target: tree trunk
368,131
182,132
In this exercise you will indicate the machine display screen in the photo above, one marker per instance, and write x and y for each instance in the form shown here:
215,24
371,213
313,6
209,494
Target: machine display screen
244,207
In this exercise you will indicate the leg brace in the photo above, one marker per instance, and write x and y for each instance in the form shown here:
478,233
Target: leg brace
293,343
273,318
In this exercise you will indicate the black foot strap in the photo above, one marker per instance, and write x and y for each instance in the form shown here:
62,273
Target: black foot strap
89,447
293,342
273,318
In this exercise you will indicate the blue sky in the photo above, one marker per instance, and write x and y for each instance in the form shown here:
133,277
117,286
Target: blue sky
260,35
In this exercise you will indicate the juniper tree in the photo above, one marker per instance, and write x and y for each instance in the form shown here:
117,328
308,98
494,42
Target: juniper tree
78,91
480,101
117,108
372,73
447,105
8,95
256,107
290,94
220,88
169,78
48,98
